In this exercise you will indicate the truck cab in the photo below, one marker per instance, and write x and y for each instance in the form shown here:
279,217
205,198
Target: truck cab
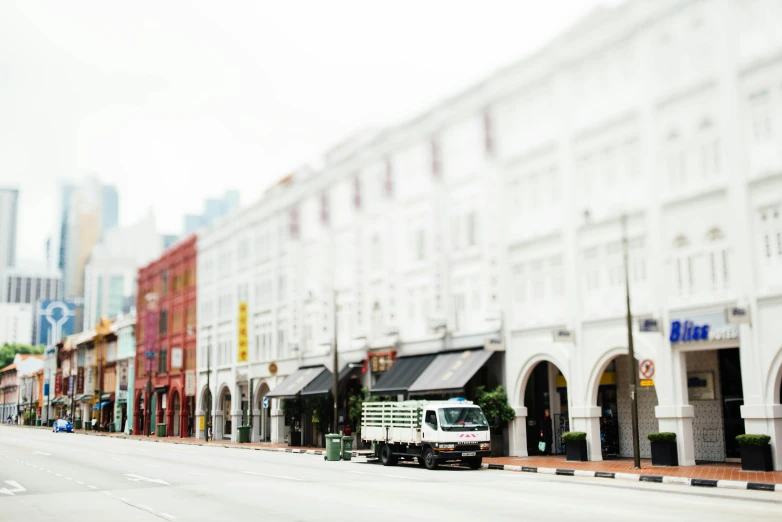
454,431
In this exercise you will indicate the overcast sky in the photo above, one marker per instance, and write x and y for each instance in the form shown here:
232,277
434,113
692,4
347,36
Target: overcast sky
177,101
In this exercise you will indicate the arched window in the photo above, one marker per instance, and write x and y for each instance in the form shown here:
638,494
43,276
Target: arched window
683,279
718,259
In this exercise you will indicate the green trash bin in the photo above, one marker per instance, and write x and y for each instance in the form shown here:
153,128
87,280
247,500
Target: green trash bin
347,448
77,424
88,425
50,422
37,422
161,430
244,434
333,446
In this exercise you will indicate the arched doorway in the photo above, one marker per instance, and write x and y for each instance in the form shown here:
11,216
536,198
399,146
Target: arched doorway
225,407
206,405
176,407
546,390
265,426
611,394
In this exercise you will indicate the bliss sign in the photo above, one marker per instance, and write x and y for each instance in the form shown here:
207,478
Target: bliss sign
688,331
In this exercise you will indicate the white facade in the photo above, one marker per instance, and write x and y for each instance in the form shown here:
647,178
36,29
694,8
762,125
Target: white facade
16,323
500,211
111,273
28,283
9,218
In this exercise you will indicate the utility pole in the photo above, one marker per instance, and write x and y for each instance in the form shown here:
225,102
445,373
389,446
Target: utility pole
99,348
336,369
631,350
208,389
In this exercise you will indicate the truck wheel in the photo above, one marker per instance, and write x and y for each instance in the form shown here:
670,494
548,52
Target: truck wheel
386,456
475,463
429,460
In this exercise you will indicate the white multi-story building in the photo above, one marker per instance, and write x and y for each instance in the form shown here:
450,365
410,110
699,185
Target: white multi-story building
494,222
111,272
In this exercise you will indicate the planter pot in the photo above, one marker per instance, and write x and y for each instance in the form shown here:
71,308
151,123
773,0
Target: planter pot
577,451
665,454
294,439
756,458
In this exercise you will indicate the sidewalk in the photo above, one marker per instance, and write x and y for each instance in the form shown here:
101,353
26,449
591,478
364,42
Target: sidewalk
705,473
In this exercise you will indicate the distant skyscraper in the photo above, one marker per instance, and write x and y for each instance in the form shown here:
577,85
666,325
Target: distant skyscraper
87,211
9,210
213,209
29,284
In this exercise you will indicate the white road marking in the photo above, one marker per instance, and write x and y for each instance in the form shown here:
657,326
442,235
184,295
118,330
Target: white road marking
80,482
271,476
93,487
68,478
145,508
108,494
58,474
166,515
42,453
15,488
123,499
152,466
138,478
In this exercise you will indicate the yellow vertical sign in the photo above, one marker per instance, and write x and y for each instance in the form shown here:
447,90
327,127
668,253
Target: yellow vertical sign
242,332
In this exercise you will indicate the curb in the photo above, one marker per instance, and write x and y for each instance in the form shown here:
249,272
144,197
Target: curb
632,477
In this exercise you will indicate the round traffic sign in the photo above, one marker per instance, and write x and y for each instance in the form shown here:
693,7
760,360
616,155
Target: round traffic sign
647,369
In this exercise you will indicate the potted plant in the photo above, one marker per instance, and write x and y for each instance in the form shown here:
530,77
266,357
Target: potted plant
755,452
664,450
293,409
498,413
575,446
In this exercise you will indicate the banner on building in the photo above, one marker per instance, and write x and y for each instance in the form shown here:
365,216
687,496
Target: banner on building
150,338
123,375
46,389
58,384
190,383
70,385
242,344
176,358
80,380
89,381
28,390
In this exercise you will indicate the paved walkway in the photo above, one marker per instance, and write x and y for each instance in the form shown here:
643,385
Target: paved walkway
716,471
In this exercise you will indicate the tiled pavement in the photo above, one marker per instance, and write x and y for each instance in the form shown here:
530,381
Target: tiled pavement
717,471
727,473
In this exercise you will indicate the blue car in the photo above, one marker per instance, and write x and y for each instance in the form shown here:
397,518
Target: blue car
62,425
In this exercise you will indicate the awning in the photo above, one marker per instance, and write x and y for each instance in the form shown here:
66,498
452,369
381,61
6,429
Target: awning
107,397
58,400
296,382
324,383
450,372
402,374
99,405
82,398
161,389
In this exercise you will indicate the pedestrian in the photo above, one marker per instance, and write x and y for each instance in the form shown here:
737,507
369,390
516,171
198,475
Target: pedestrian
546,432
348,431
189,425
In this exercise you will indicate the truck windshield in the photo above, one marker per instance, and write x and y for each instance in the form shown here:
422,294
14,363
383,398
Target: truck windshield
462,419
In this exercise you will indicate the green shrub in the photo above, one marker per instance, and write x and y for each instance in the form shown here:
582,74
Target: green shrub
753,440
663,436
573,436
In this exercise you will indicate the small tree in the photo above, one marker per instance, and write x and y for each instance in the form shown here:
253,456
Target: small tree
495,406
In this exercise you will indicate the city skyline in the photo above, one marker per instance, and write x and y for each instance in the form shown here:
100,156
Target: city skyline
182,114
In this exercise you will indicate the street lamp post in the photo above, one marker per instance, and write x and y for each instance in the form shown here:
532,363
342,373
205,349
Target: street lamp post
208,388
150,298
336,369
631,350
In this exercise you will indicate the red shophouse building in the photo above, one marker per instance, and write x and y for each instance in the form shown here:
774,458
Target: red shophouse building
166,342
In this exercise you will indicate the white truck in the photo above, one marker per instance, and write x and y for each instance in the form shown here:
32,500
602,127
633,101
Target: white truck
429,432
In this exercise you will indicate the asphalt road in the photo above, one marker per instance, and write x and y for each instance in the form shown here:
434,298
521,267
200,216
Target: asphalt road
68,477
